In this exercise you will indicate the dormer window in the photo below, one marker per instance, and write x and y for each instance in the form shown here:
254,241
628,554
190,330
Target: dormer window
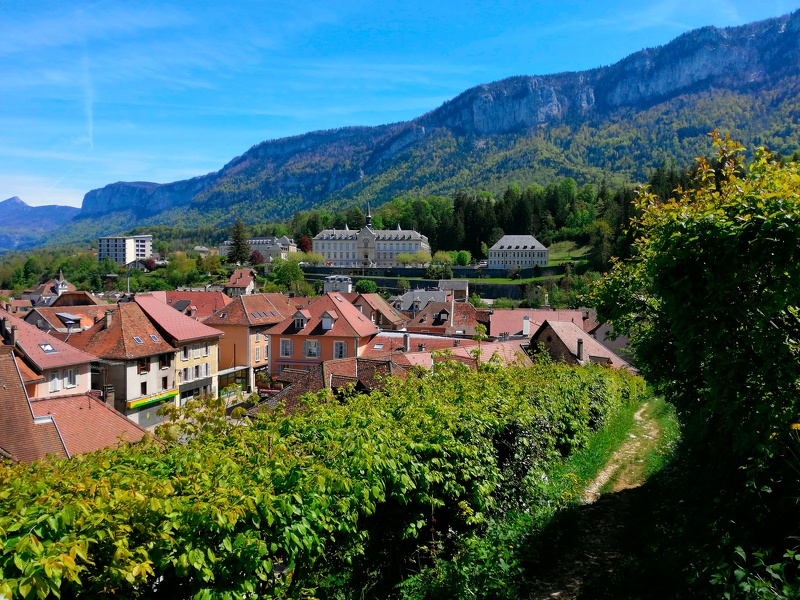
299,322
328,319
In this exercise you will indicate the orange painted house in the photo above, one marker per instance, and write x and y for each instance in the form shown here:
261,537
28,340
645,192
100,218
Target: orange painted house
328,328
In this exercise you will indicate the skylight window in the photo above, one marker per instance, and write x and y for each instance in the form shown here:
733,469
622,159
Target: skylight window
378,346
137,339
48,348
223,315
153,337
255,315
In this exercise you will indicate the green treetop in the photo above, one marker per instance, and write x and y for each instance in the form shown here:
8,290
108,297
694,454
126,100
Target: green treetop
240,250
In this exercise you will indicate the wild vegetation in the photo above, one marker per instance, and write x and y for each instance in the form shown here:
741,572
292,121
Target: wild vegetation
710,297
344,498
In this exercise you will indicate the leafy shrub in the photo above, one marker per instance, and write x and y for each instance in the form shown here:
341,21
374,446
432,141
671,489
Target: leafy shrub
333,497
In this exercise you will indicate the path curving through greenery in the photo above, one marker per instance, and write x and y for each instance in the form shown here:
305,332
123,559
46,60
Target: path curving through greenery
592,540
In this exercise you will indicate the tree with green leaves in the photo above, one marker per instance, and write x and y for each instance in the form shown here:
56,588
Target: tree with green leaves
366,286
240,250
711,300
285,273
320,502
442,258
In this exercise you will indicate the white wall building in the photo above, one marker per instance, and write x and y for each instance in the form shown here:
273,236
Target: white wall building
518,251
337,283
125,249
368,247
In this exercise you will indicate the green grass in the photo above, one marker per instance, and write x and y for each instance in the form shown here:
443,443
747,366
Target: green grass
567,251
584,465
580,468
670,432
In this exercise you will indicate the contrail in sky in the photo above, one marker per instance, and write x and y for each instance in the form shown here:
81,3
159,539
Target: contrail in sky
88,99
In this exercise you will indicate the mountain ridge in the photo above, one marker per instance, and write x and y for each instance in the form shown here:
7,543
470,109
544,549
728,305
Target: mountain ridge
521,120
22,224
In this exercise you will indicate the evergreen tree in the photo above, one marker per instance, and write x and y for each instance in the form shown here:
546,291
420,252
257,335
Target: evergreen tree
240,250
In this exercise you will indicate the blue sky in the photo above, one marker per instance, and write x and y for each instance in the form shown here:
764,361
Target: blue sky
97,92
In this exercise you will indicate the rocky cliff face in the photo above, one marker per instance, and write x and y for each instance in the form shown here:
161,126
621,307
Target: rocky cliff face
318,164
142,197
730,57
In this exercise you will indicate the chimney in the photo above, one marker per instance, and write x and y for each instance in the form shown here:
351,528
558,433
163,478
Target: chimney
108,319
580,349
406,343
526,326
13,335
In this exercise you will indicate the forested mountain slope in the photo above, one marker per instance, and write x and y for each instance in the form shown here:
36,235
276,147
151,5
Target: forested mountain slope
615,122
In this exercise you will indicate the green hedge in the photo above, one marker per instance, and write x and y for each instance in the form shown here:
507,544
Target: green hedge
340,497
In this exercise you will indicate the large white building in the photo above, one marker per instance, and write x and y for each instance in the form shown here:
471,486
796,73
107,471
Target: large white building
367,247
125,249
518,251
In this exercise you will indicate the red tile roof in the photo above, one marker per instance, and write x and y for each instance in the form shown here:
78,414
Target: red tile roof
392,342
509,320
174,324
252,310
351,323
460,317
287,305
205,303
86,424
28,374
88,314
43,350
365,373
117,341
77,298
569,333
21,437
241,278
378,304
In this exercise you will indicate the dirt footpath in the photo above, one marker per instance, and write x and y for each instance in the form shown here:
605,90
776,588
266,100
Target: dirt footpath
593,541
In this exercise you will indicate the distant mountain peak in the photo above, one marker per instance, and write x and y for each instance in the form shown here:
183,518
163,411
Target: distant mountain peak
13,201
617,121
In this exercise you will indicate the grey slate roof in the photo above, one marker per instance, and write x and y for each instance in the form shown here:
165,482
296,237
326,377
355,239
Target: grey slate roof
518,242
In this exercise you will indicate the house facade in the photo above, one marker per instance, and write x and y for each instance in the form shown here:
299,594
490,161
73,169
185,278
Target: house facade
244,347
565,341
241,282
328,328
197,345
49,367
270,247
137,368
379,311
518,251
